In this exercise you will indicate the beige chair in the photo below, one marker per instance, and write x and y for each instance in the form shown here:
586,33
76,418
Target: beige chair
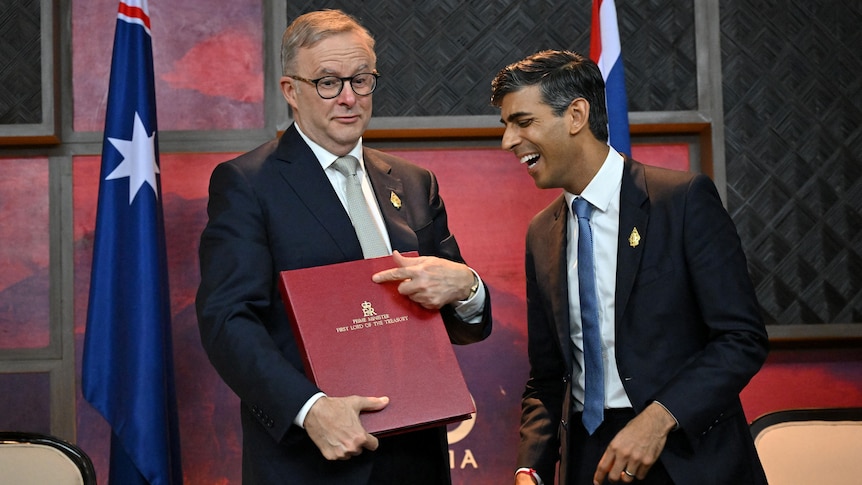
38,459
810,446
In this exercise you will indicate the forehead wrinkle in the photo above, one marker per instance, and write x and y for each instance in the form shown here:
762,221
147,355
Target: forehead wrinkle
332,72
337,55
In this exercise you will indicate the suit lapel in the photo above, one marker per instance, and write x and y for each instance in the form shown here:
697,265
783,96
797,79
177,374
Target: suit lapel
388,190
634,216
303,174
558,282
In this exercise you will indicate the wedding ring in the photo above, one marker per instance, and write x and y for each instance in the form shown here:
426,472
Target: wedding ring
628,473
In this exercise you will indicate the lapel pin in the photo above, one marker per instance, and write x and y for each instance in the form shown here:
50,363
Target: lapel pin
634,238
396,201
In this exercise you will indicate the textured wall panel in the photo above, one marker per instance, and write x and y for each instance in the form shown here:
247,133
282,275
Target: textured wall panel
438,58
20,63
658,45
793,126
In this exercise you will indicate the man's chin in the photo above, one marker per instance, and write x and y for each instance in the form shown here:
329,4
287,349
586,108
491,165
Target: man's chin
349,129
347,135
540,182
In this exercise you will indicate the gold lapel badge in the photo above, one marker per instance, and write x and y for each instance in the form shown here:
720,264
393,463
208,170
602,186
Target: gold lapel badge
396,201
634,238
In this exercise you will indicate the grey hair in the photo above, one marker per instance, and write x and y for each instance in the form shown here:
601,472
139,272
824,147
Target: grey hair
312,27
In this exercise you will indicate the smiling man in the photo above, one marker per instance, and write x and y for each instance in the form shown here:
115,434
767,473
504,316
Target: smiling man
285,206
643,325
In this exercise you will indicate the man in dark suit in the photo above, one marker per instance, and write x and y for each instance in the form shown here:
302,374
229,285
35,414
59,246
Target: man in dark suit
678,324
284,206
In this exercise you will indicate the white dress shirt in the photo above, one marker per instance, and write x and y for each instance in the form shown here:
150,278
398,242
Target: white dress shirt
603,192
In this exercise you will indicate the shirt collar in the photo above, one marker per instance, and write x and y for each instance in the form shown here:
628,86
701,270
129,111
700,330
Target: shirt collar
324,156
605,185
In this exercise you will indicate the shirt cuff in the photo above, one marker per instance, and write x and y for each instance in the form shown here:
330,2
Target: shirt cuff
471,309
532,473
299,420
676,421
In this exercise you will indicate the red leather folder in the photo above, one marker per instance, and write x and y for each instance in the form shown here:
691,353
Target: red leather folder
364,338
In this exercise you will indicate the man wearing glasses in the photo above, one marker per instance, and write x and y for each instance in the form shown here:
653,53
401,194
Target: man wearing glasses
285,205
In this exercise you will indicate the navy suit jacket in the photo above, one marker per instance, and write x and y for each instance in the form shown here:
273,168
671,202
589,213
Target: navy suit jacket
688,329
274,209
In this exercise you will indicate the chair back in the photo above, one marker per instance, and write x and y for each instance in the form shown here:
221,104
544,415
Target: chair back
39,459
805,446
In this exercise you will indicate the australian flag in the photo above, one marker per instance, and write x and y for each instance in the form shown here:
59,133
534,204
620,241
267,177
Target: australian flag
128,356
605,50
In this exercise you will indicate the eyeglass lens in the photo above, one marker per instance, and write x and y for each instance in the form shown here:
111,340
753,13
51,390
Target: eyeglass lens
362,84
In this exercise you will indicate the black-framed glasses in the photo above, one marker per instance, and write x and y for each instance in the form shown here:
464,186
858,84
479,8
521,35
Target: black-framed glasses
329,87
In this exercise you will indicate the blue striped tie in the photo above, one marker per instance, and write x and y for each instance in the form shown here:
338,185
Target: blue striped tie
594,392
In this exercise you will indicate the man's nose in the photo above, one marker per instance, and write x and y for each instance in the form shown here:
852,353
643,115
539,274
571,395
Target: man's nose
510,139
347,95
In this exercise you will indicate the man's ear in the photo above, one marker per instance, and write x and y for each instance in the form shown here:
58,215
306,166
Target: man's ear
288,90
578,114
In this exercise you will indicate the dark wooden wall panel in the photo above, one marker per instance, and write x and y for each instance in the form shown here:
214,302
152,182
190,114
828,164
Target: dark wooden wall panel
792,74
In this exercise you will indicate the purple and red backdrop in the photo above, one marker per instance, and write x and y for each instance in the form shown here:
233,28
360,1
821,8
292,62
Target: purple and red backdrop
490,199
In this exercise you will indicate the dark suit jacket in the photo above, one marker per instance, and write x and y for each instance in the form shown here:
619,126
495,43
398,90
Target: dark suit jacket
274,209
688,330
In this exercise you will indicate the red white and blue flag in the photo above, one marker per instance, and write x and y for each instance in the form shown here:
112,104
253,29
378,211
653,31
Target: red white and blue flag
606,52
128,354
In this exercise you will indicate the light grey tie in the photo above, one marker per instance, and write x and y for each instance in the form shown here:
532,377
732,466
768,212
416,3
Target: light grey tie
366,229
